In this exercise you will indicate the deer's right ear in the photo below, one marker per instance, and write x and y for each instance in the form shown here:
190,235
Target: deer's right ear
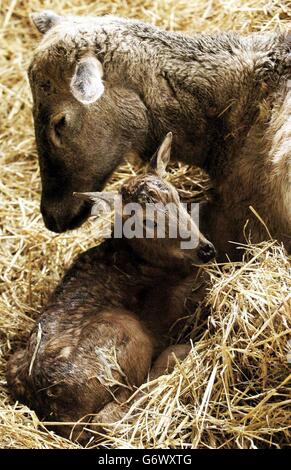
86,84
45,20
162,157
100,201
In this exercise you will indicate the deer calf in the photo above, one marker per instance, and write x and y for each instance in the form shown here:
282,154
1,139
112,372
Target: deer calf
110,316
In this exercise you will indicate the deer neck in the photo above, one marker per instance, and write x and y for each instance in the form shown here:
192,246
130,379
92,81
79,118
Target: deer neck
160,257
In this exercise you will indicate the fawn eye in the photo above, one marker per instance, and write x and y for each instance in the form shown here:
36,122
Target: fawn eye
149,223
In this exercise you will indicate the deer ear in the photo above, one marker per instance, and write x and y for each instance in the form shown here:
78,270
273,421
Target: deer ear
86,84
45,20
100,201
162,157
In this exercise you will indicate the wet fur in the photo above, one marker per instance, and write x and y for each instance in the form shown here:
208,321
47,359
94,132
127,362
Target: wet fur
106,322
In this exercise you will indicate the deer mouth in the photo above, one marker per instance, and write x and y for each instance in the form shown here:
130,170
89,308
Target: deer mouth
78,219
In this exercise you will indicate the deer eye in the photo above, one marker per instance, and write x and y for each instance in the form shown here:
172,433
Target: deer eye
149,223
46,86
58,126
53,392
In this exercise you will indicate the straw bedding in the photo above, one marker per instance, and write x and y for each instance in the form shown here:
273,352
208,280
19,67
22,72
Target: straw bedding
232,391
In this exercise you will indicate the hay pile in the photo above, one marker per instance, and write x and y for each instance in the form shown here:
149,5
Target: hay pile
232,391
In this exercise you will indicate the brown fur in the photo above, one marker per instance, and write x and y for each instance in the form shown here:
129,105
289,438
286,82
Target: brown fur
110,316
225,97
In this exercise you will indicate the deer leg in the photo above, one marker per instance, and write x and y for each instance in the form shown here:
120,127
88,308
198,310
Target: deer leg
116,410
111,413
166,361
126,369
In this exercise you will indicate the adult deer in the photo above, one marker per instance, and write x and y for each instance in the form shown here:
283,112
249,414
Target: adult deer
104,87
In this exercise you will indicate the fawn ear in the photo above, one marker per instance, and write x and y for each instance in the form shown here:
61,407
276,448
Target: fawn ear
45,20
162,156
100,201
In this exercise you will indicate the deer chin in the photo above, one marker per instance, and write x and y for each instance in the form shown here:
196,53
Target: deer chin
193,259
80,217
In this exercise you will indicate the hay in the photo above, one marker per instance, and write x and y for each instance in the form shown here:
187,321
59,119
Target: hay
232,391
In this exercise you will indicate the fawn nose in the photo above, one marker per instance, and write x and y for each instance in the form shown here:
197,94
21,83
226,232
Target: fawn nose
206,252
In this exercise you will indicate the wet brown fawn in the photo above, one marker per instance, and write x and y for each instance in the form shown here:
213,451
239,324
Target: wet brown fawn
109,318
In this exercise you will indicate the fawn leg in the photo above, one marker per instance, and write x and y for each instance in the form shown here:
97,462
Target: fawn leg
111,413
166,361
164,364
133,356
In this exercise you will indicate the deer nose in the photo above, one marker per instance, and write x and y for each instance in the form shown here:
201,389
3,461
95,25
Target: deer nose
206,252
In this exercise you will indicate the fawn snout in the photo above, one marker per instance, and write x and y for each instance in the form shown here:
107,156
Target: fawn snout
206,252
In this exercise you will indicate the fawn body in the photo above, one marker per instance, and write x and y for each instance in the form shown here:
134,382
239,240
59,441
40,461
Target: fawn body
110,317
